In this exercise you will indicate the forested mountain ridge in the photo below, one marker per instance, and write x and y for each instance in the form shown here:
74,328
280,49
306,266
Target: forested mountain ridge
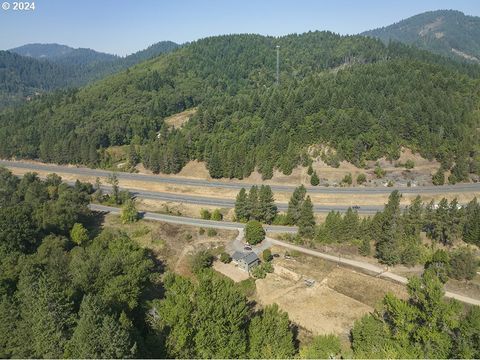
39,68
446,32
21,77
63,54
362,97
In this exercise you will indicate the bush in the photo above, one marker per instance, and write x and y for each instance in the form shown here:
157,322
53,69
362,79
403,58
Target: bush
201,231
310,170
409,164
438,178
211,232
259,272
254,232
201,260
361,179
129,212
225,258
463,264
217,215
267,255
379,172
390,183
347,179
205,214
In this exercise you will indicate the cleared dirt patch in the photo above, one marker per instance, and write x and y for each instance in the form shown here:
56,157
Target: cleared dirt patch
318,309
178,120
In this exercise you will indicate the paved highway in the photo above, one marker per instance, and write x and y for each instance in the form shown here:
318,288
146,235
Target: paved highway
237,245
232,185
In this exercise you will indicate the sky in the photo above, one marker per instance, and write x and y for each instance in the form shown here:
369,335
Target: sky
125,26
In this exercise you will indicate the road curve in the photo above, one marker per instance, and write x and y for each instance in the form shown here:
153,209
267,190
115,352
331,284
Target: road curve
377,271
475,187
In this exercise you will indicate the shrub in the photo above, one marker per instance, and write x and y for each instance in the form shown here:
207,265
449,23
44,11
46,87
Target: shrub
361,179
438,178
211,232
129,212
347,179
267,255
379,172
201,260
310,170
225,258
409,164
217,215
201,231
365,248
205,214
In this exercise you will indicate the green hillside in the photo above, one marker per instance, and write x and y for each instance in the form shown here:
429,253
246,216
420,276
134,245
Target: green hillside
445,32
40,68
363,98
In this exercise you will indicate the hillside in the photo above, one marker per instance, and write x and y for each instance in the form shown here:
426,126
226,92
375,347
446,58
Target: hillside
363,98
39,68
62,54
22,77
444,32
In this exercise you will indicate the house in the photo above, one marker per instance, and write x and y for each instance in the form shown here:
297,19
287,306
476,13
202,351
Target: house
245,261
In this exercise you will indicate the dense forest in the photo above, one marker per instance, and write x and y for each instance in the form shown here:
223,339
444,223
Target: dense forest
39,68
449,33
361,97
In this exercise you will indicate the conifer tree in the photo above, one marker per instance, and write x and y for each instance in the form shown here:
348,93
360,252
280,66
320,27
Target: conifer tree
267,208
306,221
295,205
241,206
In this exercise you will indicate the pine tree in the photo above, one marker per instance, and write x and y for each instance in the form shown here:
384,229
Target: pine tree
241,206
253,204
314,180
267,208
295,205
306,221
129,212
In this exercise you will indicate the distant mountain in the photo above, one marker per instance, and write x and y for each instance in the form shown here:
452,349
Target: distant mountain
63,54
445,32
22,77
38,68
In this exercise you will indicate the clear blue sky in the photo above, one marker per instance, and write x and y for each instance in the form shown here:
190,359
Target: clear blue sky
125,26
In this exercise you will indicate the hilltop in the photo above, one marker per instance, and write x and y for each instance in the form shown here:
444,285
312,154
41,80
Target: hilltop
445,32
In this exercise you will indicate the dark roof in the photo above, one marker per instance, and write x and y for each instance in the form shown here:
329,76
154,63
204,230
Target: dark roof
249,257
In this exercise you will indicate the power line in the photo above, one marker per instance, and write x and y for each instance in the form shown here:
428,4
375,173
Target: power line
278,64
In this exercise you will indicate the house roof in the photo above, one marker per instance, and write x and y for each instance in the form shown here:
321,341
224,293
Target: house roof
249,257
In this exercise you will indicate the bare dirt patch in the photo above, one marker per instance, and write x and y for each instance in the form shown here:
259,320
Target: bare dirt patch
178,120
338,297
318,309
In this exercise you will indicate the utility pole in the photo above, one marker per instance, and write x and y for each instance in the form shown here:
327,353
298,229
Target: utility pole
278,64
